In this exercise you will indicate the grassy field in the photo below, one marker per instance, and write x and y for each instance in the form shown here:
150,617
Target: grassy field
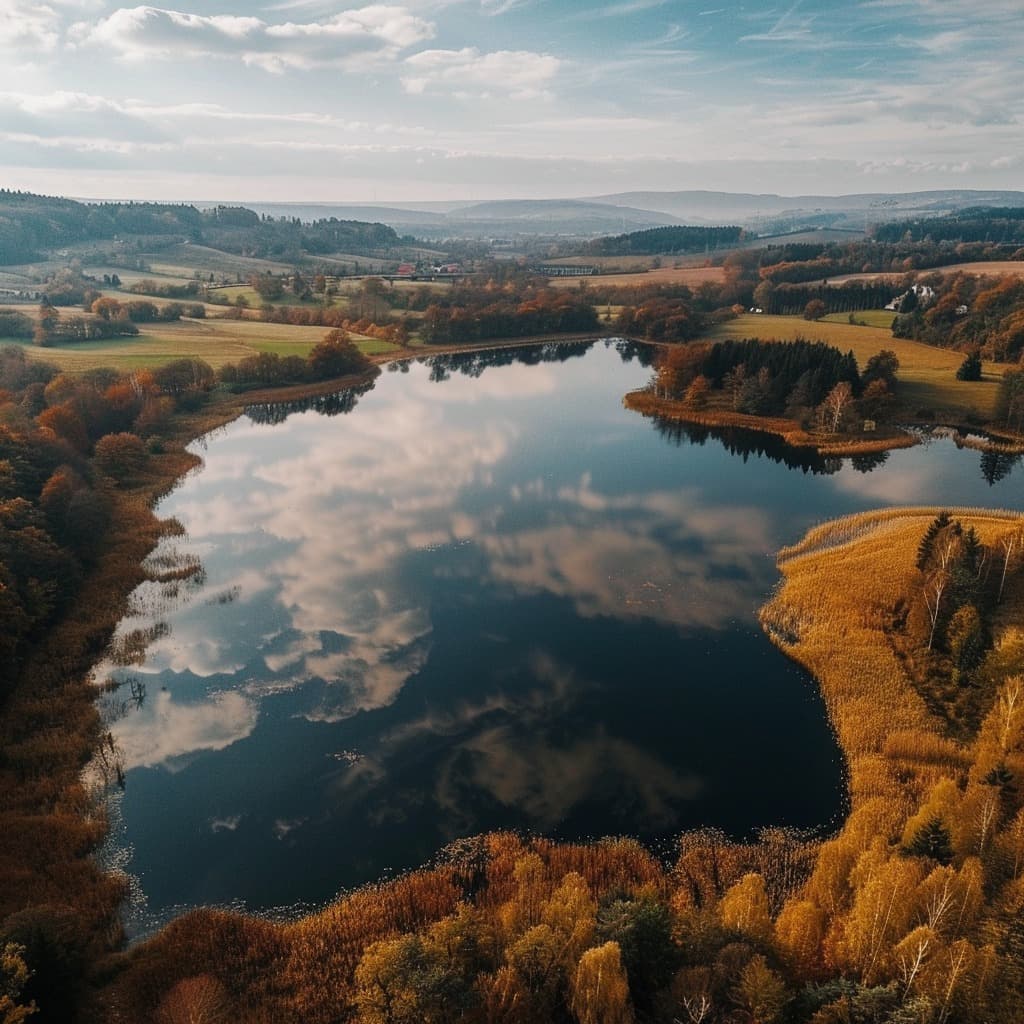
865,317
216,341
693,276
181,260
927,375
629,264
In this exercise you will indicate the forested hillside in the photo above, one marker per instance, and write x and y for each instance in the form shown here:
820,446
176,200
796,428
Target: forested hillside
666,240
31,225
999,225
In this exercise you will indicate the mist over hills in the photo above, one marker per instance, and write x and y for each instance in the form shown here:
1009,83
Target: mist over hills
484,219
721,207
632,211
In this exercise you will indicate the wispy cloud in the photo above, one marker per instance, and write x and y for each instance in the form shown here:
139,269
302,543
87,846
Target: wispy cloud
468,73
145,33
791,27
629,7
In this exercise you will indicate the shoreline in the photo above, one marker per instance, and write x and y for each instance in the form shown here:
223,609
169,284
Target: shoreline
787,430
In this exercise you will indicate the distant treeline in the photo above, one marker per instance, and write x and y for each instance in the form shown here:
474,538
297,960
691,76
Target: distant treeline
475,314
665,240
792,299
30,224
1002,225
661,319
798,264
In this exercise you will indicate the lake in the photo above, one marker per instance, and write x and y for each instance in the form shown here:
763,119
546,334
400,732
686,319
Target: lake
481,595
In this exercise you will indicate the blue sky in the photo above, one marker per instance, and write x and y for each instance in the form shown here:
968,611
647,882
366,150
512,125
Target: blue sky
476,99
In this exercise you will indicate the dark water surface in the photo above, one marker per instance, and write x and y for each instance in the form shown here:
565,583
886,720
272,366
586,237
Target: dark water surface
478,596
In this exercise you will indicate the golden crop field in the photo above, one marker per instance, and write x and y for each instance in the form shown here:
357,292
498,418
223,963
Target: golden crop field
927,375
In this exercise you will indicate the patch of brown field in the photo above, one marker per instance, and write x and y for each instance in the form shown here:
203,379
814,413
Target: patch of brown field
629,264
789,430
692,276
995,268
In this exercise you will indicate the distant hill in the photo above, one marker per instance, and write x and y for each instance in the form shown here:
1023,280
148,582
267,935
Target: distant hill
32,225
625,212
309,212
555,211
768,211
514,217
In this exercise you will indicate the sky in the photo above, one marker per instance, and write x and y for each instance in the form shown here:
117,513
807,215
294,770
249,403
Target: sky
321,100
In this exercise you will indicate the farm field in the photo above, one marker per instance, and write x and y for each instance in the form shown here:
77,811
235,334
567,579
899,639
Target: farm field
628,264
693,276
995,268
870,317
215,341
183,259
927,375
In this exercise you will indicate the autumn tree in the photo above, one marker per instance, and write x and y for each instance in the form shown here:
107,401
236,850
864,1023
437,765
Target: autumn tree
744,907
267,287
107,308
121,456
761,991
336,356
877,402
599,990
197,1000
837,404
571,913
13,975
799,931
403,981
677,368
815,310
882,367
698,393
180,376
46,324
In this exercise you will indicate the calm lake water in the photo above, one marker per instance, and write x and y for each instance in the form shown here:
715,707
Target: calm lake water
481,595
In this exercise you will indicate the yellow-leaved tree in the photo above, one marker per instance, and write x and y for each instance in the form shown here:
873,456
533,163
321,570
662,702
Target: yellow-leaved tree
599,990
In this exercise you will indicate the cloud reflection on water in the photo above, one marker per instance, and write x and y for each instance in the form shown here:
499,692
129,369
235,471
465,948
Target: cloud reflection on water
313,535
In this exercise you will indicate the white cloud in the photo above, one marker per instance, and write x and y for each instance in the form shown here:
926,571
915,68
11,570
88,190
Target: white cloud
163,731
522,74
28,27
145,33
